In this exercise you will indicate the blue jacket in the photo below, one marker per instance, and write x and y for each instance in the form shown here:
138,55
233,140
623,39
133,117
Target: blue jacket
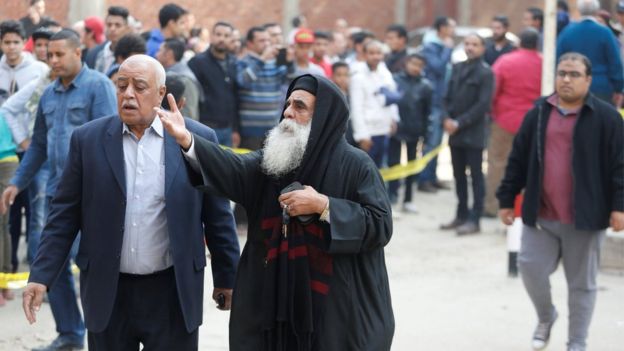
89,96
91,199
153,44
438,57
598,43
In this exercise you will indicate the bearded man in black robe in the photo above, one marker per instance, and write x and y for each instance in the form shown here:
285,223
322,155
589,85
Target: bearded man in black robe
312,275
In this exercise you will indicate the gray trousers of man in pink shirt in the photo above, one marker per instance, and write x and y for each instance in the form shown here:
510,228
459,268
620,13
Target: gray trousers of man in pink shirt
579,251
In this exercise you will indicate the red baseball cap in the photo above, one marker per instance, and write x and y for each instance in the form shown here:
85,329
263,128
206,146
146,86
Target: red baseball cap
95,25
304,36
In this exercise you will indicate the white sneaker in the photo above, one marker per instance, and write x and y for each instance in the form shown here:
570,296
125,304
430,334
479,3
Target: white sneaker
542,333
410,207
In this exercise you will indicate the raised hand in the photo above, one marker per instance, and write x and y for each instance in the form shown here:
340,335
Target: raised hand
173,121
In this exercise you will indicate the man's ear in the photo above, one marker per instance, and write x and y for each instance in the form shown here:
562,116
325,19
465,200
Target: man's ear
162,91
181,103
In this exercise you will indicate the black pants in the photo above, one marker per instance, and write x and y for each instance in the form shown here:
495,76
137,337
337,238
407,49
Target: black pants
463,158
146,311
394,158
15,220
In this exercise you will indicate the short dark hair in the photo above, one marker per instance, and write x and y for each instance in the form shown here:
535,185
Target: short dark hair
12,26
502,19
251,33
339,64
478,36
176,46
563,5
270,24
130,44
33,2
537,14
321,34
119,11
296,21
529,38
361,36
575,56
441,21
69,35
175,86
223,24
417,56
398,29
170,12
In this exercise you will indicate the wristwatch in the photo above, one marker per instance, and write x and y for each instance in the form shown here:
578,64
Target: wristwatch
325,214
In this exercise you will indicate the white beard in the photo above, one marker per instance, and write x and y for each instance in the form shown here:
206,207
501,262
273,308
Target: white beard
284,147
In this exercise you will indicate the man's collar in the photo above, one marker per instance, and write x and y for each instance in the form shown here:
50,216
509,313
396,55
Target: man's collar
156,126
58,86
589,101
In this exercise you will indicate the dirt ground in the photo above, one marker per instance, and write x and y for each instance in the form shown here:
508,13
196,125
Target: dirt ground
449,293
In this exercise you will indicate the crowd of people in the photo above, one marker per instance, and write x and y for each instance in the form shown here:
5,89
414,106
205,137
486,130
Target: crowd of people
319,112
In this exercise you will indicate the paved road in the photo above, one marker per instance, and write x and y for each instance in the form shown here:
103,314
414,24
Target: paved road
448,293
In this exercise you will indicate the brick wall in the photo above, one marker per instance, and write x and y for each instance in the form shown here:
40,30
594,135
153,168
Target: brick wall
373,14
15,9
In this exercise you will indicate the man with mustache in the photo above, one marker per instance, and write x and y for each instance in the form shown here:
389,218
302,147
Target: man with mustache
144,227
78,95
312,274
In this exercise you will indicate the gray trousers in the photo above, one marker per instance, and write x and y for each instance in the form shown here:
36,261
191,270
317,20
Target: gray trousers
579,250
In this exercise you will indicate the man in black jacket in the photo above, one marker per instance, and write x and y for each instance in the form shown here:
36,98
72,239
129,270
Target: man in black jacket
569,158
414,110
467,104
215,70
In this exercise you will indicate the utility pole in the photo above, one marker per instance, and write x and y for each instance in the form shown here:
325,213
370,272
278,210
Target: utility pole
549,47
291,9
80,9
464,13
400,11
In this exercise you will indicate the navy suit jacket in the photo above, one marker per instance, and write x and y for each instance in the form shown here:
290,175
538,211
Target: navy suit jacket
91,198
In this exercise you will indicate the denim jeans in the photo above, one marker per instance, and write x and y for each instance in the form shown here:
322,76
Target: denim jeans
63,298
433,139
394,158
37,195
379,150
224,136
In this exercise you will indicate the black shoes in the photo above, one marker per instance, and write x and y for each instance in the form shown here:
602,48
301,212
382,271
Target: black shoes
454,224
468,228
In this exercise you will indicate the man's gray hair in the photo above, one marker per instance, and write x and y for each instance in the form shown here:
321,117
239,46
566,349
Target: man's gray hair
588,7
161,76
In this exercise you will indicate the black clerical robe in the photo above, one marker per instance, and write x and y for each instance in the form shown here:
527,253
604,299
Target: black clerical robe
357,314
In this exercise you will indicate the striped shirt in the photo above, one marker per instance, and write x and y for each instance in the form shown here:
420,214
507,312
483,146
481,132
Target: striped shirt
260,95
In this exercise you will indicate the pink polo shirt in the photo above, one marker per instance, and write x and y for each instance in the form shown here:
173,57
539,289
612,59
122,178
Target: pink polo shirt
557,199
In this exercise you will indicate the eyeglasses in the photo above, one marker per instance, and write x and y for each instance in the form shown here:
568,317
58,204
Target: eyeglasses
571,74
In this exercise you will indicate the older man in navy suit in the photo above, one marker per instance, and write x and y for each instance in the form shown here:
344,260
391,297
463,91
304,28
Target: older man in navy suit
142,256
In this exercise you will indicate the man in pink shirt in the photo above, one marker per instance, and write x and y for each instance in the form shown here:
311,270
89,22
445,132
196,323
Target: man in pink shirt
518,82
568,157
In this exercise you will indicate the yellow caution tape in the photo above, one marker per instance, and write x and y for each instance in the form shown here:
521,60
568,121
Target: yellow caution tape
411,168
392,173
19,280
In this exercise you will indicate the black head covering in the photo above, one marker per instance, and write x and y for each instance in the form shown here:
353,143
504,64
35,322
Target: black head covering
307,83
329,123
